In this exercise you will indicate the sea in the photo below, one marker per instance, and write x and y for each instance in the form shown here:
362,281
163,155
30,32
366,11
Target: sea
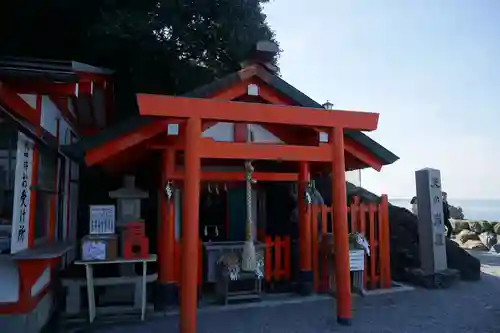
485,209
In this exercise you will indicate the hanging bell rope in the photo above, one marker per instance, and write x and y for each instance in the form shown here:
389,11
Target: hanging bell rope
248,258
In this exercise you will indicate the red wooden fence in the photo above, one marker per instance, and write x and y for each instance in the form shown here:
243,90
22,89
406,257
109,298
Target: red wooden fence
277,258
370,219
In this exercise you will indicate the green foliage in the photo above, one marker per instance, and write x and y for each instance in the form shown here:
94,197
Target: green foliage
168,46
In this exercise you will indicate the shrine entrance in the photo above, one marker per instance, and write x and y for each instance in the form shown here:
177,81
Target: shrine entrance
242,132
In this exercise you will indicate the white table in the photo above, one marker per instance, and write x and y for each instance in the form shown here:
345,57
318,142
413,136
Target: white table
89,275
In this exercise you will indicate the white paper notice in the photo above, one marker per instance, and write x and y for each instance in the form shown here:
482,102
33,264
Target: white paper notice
94,251
102,219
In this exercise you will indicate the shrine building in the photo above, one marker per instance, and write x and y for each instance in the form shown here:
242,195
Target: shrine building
233,163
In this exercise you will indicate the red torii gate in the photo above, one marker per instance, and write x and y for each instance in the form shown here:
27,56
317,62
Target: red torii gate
196,112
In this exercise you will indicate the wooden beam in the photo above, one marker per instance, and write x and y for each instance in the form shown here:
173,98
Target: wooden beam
362,154
182,107
44,88
230,176
62,104
10,99
112,147
254,151
357,150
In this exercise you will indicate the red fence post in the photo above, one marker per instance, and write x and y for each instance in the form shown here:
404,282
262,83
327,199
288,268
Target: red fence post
278,270
362,228
374,246
268,270
314,246
385,265
286,259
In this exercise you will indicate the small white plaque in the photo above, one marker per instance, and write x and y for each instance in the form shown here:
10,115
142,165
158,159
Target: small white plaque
253,90
94,250
357,260
102,219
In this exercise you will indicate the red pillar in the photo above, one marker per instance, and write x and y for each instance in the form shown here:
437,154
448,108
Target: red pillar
340,229
306,274
190,223
167,286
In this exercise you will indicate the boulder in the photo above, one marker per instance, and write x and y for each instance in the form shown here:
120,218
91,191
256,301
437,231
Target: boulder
459,226
475,226
440,280
487,226
456,212
496,228
488,238
474,245
495,248
465,235
405,252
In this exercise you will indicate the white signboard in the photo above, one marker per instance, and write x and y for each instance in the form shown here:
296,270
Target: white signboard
356,260
102,219
94,250
22,194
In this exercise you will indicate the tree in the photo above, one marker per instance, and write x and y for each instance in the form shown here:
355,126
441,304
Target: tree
168,46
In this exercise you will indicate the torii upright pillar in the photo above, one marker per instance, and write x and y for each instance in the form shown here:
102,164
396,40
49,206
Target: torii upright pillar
306,274
340,229
167,285
190,223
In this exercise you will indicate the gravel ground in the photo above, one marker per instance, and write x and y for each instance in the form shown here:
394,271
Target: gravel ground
466,307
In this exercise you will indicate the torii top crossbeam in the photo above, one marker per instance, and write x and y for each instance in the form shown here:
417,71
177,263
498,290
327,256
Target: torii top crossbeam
227,111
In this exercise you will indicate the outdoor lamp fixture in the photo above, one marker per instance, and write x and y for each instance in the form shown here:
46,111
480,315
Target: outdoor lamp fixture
328,105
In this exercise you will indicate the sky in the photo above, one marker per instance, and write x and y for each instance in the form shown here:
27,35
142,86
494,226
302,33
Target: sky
431,69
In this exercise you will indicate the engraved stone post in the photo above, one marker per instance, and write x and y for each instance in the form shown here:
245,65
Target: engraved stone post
431,221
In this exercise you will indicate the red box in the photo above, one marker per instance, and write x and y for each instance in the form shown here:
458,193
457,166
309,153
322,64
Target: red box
135,247
134,229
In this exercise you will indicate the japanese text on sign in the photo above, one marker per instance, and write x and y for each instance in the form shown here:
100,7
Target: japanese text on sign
439,239
437,218
435,182
22,193
436,209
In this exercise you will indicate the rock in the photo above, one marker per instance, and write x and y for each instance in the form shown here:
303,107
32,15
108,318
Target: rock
475,245
405,253
488,238
461,260
459,226
476,227
493,224
465,235
439,280
456,213
496,228
487,226
495,248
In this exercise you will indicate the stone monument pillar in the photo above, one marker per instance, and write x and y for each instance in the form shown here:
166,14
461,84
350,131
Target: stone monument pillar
431,230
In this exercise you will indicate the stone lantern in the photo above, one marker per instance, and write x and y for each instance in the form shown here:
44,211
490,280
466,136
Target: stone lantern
128,202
